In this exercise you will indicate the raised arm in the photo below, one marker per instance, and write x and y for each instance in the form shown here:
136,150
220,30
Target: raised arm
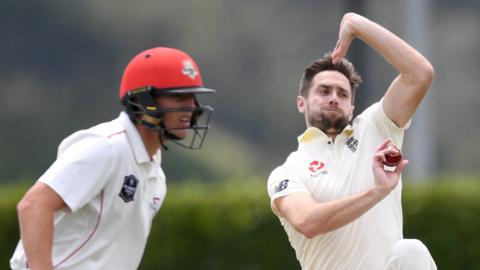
416,73
311,218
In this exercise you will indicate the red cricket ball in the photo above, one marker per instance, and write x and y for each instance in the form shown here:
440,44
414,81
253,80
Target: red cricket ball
393,159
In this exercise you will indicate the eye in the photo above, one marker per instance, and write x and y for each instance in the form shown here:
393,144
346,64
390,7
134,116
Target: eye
177,96
323,91
344,94
181,97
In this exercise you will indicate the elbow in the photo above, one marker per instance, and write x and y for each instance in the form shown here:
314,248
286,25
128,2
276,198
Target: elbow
307,229
421,75
310,234
307,232
23,207
424,74
427,73
26,207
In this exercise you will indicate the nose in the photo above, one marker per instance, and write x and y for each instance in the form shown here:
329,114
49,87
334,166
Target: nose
333,98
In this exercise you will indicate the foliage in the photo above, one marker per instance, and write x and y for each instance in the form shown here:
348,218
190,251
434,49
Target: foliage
9,231
229,225
62,63
223,226
445,216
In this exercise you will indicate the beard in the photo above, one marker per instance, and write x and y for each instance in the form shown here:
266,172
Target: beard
328,124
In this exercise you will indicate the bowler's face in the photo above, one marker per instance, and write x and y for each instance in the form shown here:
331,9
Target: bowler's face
328,105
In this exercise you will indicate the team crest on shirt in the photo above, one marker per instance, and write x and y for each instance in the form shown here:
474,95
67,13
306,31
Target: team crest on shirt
317,167
129,188
352,143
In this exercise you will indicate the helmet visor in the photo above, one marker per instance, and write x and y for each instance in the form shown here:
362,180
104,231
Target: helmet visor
184,90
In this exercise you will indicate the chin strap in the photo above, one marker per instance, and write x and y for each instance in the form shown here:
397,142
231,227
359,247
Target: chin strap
156,125
160,138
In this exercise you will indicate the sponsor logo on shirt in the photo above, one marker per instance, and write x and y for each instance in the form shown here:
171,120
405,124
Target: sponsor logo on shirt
155,205
316,167
352,143
129,188
281,186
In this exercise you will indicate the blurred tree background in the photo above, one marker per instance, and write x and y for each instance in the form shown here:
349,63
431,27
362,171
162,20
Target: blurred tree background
61,64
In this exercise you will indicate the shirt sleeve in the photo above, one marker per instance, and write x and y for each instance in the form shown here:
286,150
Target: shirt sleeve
377,116
282,182
81,170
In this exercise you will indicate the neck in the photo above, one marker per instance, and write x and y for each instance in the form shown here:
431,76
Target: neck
151,140
332,136
331,133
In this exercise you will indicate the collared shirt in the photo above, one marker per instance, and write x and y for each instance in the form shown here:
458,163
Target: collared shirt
112,189
328,170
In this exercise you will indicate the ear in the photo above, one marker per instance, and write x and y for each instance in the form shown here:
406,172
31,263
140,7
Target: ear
301,104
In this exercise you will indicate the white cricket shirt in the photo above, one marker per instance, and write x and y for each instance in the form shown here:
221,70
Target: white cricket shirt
113,191
329,170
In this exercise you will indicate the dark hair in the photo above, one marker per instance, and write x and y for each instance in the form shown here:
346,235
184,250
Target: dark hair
325,63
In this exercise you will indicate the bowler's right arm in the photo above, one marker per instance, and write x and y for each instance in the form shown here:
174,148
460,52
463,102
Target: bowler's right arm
312,218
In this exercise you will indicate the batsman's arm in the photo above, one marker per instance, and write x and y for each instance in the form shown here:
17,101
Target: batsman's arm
35,214
312,218
416,73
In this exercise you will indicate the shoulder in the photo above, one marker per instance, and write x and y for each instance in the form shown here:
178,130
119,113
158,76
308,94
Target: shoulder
373,125
375,114
370,113
286,179
291,168
103,141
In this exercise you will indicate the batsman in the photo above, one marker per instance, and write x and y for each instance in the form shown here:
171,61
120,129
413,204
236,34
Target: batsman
93,208
339,204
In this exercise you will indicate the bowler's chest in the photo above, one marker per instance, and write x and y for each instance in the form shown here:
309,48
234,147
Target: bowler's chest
338,170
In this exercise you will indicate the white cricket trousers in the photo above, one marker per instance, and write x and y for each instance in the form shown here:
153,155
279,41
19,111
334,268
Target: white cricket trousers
410,254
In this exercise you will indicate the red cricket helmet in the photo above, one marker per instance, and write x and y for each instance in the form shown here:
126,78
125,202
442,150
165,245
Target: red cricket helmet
163,71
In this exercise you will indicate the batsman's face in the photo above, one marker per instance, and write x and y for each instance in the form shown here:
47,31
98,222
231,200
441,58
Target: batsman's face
328,105
177,122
